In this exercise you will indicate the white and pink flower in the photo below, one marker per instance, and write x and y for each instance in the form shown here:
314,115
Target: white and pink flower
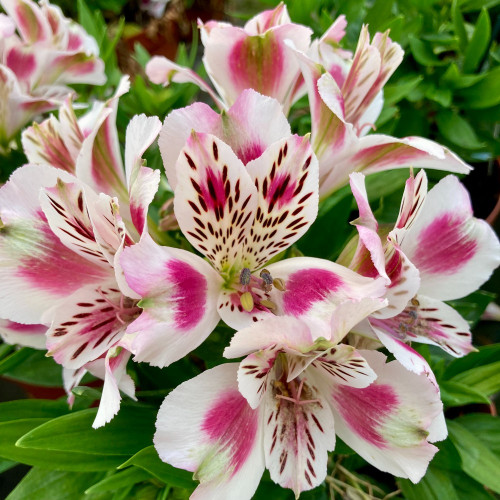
282,406
437,251
47,53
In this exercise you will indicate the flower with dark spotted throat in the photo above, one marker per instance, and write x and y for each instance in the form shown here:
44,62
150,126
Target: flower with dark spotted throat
436,251
281,407
240,204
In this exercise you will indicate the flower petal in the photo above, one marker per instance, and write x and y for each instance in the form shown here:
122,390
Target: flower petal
142,181
215,200
297,437
87,324
37,269
454,252
206,426
24,335
315,287
236,60
286,177
432,322
388,422
179,291
112,369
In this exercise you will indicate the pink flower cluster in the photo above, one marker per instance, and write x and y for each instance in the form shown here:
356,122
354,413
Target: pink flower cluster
41,52
79,265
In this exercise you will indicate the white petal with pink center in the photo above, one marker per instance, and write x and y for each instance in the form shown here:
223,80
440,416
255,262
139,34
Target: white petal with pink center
388,422
179,291
454,252
38,270
206,426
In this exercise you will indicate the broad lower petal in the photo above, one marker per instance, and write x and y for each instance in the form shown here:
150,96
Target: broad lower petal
454,252
206,426
388,422
179,293
430,321
313,288
37,269
215,200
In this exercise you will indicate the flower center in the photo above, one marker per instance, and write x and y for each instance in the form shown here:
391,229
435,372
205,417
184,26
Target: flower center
254,290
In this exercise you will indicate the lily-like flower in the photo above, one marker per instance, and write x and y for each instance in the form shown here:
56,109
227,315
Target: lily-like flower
437,251
48,52
282,406
236,59
336,140
60,243
239,206
361,78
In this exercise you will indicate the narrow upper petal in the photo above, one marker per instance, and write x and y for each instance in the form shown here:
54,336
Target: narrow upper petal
206,426
215,200
454,252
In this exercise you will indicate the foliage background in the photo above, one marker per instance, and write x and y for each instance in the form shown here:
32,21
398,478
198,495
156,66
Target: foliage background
447,89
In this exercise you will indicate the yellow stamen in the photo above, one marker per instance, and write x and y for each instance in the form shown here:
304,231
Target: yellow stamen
246,300
279,284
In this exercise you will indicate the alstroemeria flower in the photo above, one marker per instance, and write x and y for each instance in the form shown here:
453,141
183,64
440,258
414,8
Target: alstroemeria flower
361,78
292,395
236,59
60,244
239,216
336,141
49,52
437,251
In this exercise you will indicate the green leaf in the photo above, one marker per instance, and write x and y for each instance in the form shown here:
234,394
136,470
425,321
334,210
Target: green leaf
149,460
11,431
131,430
393,93
32,408
119,480
470,5
457,130
458,23
485,355
6,465
53,485
378,14
37,369
435,485
92,24
485,427
477,460
483,94
473,306
483,379
423,53
456,394
479,43
15,359
453,79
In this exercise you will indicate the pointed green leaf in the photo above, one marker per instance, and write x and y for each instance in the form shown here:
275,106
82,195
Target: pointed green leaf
479,42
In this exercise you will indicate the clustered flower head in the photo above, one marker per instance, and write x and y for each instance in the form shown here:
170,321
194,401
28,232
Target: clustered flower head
80,268
41,52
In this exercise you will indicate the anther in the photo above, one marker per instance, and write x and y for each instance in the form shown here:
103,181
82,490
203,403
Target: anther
266,276
269,304
245,276
279,284
246,301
